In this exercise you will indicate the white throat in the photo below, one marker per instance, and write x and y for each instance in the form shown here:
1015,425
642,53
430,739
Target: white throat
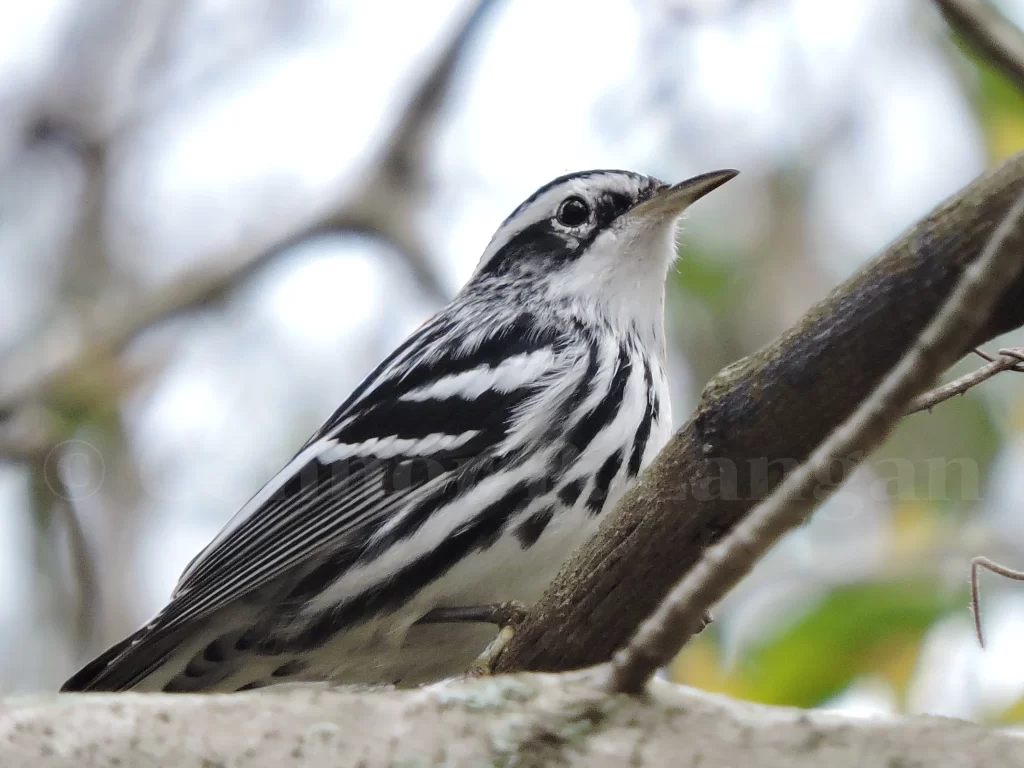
621,277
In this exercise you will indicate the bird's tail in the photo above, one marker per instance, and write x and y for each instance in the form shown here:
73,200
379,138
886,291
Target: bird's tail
127,664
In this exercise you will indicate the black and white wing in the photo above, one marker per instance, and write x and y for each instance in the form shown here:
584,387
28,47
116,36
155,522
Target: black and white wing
426,412
431,409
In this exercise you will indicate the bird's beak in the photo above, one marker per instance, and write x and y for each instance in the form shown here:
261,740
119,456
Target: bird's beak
669,202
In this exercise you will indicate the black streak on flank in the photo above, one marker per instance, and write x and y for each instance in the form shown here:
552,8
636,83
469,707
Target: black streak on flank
605,475
657,407
587,428
643,433
289,668
564,458
568,407
479,534
215,652
570,492
459,483
530,529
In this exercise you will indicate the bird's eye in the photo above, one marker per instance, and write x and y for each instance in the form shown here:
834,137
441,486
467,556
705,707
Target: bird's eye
573,211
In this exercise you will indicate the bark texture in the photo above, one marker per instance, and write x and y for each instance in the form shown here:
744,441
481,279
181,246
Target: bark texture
521,720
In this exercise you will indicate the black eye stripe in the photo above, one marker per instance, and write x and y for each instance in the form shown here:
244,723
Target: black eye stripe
619,202
611,205
551,241
536,240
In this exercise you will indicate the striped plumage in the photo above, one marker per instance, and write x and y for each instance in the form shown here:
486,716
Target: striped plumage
462,471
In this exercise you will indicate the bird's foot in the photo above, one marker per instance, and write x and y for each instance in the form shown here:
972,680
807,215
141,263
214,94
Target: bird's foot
483,665
510,613
508,616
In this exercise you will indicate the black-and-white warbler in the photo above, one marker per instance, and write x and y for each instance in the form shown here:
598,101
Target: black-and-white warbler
463,471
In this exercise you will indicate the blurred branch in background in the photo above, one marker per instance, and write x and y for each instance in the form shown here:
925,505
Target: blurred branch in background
983,27
70,377
72,597
383,205
91,102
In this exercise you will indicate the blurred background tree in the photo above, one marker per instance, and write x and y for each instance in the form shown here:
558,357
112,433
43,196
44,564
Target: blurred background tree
215,217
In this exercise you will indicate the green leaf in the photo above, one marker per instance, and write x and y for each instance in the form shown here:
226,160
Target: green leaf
854,631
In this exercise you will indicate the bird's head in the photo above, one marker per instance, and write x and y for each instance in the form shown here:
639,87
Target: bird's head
599,241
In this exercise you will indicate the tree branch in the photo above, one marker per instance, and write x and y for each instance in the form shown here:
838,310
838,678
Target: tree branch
527,720
757,420
940,345
381,206
984,28
978,562
1008,360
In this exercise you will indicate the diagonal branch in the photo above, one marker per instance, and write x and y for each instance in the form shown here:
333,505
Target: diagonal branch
940,345
984,28
383,202
757,420
382,206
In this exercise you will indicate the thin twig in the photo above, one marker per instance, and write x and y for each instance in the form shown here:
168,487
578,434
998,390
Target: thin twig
52,501
83,566
990,565
1017,353
1008,360
985,29
941,343
381,203
381,206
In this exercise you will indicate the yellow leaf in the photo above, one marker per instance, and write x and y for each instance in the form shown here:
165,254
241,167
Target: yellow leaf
1005,134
